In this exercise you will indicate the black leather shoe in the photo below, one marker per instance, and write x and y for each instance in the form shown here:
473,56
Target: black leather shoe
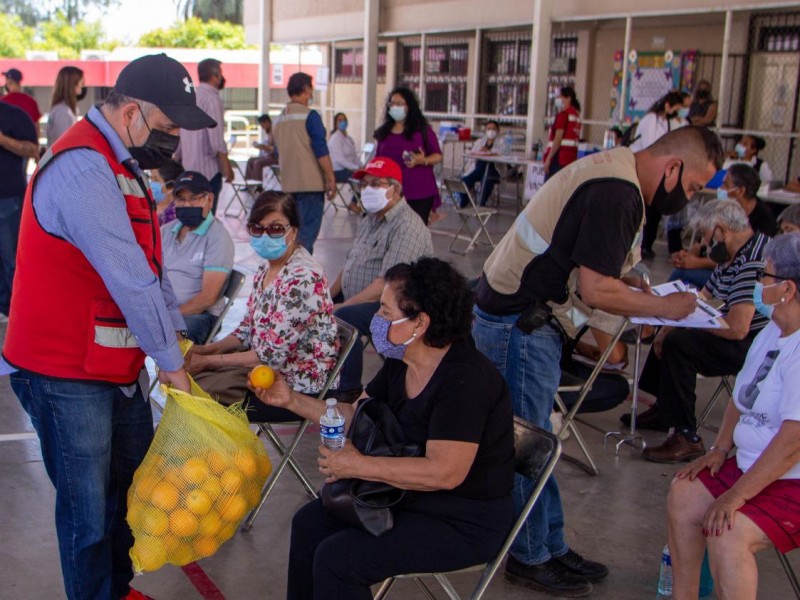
551,577
651,419
575,563
648,254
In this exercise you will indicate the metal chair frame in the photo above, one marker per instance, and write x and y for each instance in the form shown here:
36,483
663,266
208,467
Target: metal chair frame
250,186
347,338
480,213
790,574
536,455
724,384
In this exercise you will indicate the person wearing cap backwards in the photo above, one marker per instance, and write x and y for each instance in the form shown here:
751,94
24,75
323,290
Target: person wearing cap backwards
198,255
90,302
391,233
14,95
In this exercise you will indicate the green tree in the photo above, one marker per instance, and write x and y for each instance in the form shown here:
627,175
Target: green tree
206,10
69,39
194,33
15,36
33,12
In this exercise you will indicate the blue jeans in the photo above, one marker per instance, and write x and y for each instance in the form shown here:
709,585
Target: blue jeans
92,438
310,206
343,175
10,213
359,316
696,277
530,366
199,326
476,176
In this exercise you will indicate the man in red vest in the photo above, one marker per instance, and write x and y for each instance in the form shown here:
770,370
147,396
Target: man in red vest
89,303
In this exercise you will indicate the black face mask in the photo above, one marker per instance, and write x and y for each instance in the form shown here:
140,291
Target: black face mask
703,94
669,203
221,83
190,216
157,149
82,95
718,251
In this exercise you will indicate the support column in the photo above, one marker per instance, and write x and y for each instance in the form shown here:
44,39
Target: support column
626,50
724,75
264,41
423,52
474,85
372,10
540,65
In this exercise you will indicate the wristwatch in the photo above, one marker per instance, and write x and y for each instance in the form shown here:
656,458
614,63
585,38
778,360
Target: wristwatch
720,449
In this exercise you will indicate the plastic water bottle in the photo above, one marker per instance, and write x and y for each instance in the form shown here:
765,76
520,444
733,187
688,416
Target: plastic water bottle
331,426
665,576
508,143
706,582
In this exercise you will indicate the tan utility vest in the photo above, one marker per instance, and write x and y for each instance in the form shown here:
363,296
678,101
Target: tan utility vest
532,231
300,170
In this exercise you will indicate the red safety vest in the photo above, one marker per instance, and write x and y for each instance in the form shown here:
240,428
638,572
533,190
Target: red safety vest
64,323
570,120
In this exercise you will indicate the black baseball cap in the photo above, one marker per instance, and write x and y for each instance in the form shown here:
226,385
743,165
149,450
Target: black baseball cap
14,74
163,81
193,181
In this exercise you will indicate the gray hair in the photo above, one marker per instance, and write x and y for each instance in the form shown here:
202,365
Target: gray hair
784,254
116,100
791,215
721,212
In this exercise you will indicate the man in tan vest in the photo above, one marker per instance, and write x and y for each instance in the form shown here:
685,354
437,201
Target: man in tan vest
587,220
306,168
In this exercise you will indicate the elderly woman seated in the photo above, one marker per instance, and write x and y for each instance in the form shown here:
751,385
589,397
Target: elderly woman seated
740,505
678,355
450,400
789,220
288,323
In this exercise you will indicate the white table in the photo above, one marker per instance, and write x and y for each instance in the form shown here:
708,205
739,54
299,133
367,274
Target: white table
781,197
534,171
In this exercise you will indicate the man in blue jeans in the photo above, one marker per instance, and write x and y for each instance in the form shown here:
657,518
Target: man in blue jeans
589,218
18,143
90,301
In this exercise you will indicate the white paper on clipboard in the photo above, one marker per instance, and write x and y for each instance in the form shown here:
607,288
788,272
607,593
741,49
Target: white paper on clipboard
704,316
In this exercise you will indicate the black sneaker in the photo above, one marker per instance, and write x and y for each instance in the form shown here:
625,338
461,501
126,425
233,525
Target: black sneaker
648,254
551,577
575,563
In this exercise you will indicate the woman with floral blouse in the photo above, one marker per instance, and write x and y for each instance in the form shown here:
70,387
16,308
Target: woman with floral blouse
289,321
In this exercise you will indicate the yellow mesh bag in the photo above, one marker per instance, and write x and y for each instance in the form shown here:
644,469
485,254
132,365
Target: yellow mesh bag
202,474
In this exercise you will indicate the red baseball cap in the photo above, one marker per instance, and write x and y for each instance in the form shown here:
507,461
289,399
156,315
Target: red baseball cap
380,166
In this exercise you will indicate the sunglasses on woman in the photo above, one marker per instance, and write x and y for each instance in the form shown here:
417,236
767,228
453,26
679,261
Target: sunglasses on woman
273,230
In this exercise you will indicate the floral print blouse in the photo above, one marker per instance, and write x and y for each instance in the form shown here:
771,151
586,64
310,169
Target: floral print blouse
289,323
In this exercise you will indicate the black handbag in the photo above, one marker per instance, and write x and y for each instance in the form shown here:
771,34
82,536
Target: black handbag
374,431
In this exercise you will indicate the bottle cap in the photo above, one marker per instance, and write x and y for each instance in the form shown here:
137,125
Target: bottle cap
331,402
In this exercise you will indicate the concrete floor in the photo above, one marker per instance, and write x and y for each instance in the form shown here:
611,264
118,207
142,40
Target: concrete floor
617,517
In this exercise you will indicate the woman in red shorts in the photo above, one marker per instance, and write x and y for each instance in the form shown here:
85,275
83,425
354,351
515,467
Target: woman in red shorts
738,506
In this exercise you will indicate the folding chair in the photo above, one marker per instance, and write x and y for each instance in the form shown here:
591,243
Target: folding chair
536,452
346,334
473,211
571,383
787,568
367,151
724,384
231,290
253,187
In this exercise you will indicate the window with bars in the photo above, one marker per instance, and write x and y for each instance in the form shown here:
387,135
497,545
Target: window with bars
563,62
506,74
445,73
349,64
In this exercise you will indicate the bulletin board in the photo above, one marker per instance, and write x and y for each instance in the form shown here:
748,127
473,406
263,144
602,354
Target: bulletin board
650,76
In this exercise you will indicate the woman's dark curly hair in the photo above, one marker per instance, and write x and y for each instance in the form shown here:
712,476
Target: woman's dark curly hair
414,122
434,287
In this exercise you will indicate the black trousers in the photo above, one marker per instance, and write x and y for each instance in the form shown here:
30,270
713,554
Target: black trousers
433,532
650,231
422,207
685,353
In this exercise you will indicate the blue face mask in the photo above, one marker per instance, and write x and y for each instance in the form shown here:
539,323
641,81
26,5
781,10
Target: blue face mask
758,300
158,191
683,112
379,329
398,113
269,248
342,126
722,194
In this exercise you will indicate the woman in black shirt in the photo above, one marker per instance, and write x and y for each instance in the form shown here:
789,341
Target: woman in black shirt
449,399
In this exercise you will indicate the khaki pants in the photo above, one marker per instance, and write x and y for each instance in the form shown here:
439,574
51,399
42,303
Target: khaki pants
227,385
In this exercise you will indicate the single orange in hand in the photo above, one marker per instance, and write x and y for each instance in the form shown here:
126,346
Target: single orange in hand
262,377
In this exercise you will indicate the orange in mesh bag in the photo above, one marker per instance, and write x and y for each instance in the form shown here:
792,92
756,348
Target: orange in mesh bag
203,473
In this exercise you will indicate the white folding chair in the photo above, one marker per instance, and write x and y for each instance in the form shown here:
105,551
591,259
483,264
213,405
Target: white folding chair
367,152
571,383
536,452
241,185
480,214
724,385
347,337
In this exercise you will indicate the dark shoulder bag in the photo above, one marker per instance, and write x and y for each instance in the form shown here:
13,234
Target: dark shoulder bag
374,431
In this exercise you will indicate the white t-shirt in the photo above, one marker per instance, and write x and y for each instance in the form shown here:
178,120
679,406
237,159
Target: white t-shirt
343,152
766,393
652,127
764,172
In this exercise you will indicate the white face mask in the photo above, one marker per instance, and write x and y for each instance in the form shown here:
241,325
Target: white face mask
398,113
491,133
559,103
374,199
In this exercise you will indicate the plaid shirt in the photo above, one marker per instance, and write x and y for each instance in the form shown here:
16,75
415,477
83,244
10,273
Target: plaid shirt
400,236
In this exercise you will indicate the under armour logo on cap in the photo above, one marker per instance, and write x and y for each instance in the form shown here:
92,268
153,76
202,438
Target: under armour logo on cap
187,85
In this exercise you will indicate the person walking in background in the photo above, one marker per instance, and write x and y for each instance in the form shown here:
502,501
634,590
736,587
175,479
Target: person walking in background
14,95
18,143
204,150
306,167
565,133
406,137
69,89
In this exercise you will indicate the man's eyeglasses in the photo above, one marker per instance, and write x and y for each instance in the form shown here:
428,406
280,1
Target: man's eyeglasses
763,274
192,200
273,230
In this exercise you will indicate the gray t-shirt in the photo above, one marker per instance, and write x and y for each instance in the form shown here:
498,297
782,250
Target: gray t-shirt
59,119
207,248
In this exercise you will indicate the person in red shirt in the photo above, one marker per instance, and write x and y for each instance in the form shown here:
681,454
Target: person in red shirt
14,95
565,133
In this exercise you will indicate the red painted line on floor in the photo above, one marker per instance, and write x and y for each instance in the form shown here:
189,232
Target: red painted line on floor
202,582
